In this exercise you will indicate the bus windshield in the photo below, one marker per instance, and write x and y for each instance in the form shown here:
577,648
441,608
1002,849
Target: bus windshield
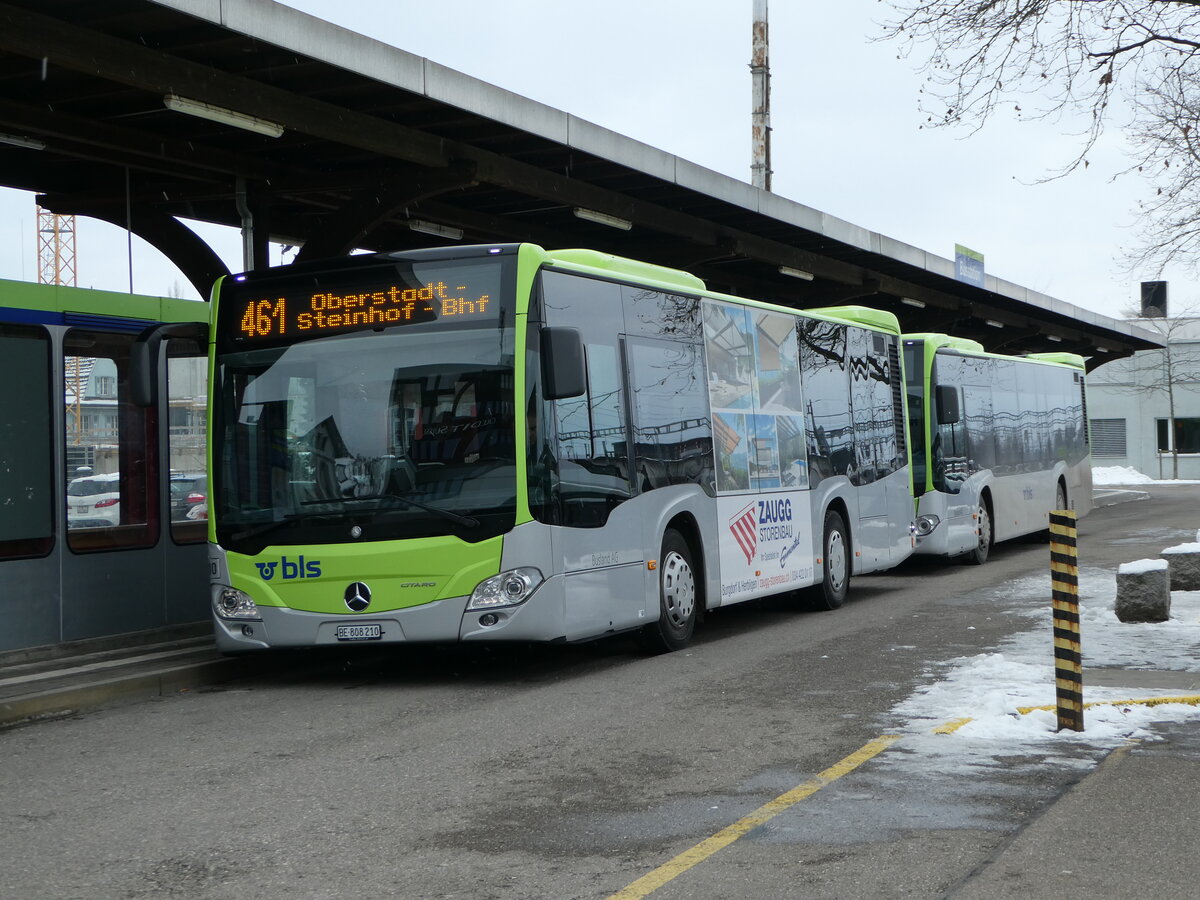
392,433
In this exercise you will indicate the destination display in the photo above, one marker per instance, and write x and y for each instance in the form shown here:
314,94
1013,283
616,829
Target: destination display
287,309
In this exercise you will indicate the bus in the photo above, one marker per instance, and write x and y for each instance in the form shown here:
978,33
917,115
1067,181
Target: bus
997,443
487,443
95,538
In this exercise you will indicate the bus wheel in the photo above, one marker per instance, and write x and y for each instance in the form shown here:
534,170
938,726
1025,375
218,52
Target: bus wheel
677,596
835,547
983,546
1060,497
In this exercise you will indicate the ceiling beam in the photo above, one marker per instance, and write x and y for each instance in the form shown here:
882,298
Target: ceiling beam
123,62
186,249
347,228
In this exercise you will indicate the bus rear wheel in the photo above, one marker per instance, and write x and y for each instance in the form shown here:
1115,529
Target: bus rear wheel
678,595
1060,496
835,565
983,547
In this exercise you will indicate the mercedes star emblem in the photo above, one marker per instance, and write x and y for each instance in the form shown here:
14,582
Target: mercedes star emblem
358,596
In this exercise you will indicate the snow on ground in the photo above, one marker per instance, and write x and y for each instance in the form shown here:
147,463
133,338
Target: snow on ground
1104,476
989,688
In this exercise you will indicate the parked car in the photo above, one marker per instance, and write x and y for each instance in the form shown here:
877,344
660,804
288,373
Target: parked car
187,492
94,501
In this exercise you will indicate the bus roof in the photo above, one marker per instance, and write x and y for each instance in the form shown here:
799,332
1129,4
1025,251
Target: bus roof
858,315
1062,358
595,262
630,268
947,340
965,345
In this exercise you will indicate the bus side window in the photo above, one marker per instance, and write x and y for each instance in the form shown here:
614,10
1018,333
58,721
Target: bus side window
949,453
672,434
823,367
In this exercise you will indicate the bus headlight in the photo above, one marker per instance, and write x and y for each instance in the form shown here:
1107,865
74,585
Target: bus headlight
926,524
506,589
230,603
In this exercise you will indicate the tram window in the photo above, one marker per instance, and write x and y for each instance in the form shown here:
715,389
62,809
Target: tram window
26,444
110,447
187,388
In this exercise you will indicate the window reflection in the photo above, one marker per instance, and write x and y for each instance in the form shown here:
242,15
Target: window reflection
187,390
26,451
824,363
672,432
111,489
1017,417
592,455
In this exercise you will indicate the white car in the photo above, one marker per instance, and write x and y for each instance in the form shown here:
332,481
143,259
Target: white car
94,501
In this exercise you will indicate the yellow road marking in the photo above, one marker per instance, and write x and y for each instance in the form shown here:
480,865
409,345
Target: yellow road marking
672,869
952,726
1189,699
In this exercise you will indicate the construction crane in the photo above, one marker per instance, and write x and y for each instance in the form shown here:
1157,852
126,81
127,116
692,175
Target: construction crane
56,248
56,265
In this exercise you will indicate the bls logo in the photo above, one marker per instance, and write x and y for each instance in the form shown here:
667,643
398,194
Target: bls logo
289,569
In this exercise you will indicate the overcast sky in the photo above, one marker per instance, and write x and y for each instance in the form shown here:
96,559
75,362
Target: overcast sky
675,74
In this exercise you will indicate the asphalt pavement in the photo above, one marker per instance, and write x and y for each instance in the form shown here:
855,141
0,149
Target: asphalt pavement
1127,827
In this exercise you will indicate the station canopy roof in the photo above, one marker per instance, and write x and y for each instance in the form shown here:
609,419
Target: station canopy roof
362,145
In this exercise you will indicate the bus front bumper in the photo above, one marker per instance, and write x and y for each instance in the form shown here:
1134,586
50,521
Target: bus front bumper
540,618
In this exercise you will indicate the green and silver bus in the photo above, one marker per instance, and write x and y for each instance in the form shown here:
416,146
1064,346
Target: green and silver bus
997,443
505,443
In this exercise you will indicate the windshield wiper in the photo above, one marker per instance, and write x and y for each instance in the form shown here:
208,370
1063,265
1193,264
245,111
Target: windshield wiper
465,521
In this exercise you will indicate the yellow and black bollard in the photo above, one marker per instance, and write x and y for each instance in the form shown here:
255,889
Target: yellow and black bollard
1068,657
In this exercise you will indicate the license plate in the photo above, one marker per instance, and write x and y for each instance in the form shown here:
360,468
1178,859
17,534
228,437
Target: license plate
81,509
359,633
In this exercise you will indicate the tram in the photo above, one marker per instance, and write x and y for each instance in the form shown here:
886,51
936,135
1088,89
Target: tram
101,500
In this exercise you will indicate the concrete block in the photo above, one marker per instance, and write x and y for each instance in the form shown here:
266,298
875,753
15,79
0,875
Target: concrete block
1183,564
1143,591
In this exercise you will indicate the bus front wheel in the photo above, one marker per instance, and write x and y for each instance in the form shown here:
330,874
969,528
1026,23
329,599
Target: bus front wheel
677,596
835,555
983,546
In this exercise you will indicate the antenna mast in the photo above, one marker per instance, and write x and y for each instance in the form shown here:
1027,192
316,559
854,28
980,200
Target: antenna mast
760,120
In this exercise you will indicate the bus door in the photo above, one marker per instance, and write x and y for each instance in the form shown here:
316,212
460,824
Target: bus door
882,487
599,545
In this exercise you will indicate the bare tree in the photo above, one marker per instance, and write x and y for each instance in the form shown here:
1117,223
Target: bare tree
1168,372
1045,58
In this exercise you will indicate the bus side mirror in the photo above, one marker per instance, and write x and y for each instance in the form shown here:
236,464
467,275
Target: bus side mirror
145,352
947,401
563,370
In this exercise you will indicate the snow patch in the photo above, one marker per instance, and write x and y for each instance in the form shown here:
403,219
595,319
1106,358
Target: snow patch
1141,566
1183,548
991,688
1119,475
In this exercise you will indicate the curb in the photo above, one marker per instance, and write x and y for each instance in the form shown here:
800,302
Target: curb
60,702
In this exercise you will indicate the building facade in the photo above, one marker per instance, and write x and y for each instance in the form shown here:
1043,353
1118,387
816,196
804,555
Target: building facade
1144,410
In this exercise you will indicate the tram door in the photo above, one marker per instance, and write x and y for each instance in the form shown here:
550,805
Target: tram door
95,537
